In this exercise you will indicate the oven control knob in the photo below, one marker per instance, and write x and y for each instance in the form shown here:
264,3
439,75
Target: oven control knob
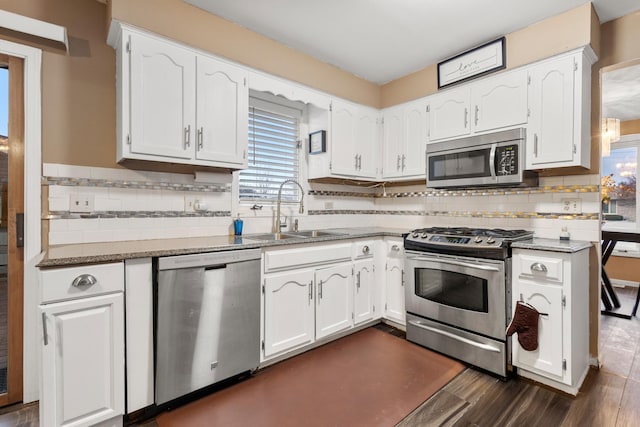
414,234
490,240
424,235
478,239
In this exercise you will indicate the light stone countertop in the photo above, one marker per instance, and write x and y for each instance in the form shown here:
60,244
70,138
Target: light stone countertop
93,253
554,245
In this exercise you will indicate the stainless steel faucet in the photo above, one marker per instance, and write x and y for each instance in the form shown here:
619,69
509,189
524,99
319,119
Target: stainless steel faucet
301,210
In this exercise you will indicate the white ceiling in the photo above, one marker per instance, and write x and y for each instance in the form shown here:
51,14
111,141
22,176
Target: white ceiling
382,40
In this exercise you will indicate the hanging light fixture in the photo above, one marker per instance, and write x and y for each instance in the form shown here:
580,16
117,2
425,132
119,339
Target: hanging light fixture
610,133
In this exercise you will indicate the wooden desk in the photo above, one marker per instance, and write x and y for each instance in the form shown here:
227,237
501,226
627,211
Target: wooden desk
608,295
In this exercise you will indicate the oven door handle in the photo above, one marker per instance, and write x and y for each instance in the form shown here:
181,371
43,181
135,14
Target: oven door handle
483,346
459,263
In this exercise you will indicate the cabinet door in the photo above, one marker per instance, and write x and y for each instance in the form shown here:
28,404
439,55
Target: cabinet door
288,311
334,303
363,292
393,143
163,99
500,101
343,138
394,306
221,113
550,137
83,360
449,114
367,143
415,139
547,358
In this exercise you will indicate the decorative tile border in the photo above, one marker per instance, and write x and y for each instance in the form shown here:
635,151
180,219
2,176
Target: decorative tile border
464,192
138,185
465,214
135,214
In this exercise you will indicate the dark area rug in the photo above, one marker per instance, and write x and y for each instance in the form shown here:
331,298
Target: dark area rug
369,378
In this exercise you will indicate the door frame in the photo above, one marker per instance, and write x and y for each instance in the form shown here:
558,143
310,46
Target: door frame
32,58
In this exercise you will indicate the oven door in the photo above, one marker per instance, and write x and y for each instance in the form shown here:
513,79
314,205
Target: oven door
468,293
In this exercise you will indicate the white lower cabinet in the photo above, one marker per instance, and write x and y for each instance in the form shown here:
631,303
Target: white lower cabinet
556,284
334,299
364,283
82,311
289,319
394,282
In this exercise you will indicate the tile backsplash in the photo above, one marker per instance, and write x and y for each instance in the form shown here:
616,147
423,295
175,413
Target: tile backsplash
140,205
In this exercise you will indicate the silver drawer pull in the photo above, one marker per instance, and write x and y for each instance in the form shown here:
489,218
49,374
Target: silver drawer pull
84,280
44,328
539,267
365,249
395,248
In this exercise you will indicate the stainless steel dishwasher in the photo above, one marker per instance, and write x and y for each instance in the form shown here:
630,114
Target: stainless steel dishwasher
207,320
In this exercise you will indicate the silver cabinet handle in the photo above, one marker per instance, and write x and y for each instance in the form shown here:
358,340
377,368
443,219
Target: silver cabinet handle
366,249
359,161
535,144
398,163
187,136
84,280
466,117
403,161
44,328
358,281
319,291
310,291
356,161
539,267
200,138
402,278
476,118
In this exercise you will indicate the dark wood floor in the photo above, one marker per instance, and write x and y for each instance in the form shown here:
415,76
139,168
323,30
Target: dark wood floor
609,397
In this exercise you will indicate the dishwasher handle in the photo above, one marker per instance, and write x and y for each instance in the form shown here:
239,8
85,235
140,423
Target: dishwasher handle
208,259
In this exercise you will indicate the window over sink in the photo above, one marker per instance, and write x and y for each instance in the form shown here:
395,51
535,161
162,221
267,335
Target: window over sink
274,147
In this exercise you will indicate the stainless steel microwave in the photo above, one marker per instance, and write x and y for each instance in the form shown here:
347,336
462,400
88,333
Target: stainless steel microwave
495,159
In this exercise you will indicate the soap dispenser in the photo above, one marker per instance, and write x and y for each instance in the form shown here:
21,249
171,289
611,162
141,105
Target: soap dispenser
237,226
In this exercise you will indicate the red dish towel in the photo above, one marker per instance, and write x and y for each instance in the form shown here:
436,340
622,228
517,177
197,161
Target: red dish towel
525,324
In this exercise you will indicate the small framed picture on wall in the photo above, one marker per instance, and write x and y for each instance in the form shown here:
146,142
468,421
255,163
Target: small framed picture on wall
318,142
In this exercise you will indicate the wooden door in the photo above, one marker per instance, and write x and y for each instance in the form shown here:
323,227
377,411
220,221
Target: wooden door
12,214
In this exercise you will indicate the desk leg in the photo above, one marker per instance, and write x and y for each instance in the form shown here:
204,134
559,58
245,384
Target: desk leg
610,292
605,298
635,306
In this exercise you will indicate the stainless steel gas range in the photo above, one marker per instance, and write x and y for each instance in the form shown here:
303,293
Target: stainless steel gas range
458,293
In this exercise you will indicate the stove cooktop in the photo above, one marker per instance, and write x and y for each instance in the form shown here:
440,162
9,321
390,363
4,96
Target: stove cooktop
482,242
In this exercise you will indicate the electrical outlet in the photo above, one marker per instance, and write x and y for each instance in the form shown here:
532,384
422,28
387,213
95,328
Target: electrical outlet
190,203
571,206
80,203
328,205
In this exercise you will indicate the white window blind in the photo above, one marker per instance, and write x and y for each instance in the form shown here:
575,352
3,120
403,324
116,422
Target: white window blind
273,152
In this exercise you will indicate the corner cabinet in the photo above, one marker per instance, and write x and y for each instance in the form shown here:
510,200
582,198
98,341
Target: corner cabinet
559,132
405,130
178,105
82,310
394,308
556,285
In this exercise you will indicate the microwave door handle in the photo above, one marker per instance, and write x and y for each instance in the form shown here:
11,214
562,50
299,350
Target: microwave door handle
459,263
492,160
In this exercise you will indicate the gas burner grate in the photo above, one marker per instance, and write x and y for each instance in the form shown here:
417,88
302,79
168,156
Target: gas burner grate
467,231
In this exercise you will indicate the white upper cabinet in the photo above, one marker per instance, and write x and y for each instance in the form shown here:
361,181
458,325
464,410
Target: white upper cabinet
449,114
405,137
559,127
221,112
392,142
163,99
178,105
367,141
499,101
484,105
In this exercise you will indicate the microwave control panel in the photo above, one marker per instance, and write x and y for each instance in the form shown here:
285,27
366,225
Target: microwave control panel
507,160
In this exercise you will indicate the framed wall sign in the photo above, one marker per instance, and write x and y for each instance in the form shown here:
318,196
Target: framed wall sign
473,63
318,142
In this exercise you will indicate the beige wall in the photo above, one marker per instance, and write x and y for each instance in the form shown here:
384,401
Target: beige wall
555,35
630,127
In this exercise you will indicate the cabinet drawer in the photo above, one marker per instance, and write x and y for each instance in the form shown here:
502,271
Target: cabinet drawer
75,282
541,267
302,257
363,249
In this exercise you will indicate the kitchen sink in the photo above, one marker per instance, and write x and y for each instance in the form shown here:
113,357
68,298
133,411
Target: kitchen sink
315,233
274,236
